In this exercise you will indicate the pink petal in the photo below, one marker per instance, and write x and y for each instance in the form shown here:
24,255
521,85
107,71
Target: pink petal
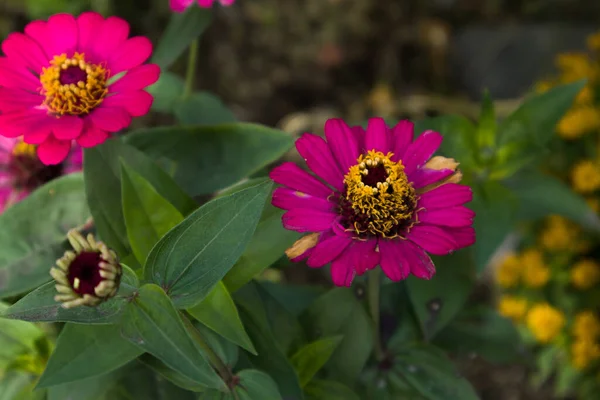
307,220
327,250
180,5
110,119
137,78
320,160
364,255
53,151
130,54
67,127
377,137
420,263
421,150
454,217
226,2
88,25
450,194
136,103
425,176
402,137
25,51
17,100
111,34
432,239
62,35
13,125
342,142
292,176
92,136
74,161
205,3
464,236
342,270
38,31
393,259
38,132
14,76
288,199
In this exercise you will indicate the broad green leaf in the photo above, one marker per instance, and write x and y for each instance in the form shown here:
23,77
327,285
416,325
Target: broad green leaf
219,313
39,305
102,172
191,258
170,374
220,155
541,195
94,388
182,30
432,374
487,125
459,135
295,298
33,233
227,351
338,312
17,385
253,385
311,358
437,301
84,351
268,244
203,108
148,215
16,337
329,390
152,323
166,91
140,382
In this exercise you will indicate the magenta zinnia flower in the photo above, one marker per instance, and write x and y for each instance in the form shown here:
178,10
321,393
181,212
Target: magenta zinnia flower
59,82
182,5
378,198
21,171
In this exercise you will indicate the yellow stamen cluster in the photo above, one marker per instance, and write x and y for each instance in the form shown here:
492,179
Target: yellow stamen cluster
23,149
73,98
545,322
387,204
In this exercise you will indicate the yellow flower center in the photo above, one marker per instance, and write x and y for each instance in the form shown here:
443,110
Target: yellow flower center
23,149
72,86
378,199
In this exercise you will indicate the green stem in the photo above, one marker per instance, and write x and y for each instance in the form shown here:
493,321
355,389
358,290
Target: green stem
373,300
191,69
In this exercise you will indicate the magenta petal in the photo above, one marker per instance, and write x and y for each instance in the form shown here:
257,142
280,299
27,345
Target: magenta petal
66,127
53,151
137,78
402,136
294,177
111,34
421,150
342,270
420,263
136,103
130,54
180,5
288,199
425,176
307,220
327,250
432,239
393,259
17,100
38,132
62,34
92,136
364,255
13,125
342,142
88,25
110,119
320,160
14,76
450,194
464,236
377,137
25,51
456,217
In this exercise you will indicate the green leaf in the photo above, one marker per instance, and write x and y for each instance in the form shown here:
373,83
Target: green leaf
148,216
17,385
311,358
94,388
221,155
191,258
84,351
203,108
102,172
438,300
295,298
487,126
16,337
429,371
484,333
253,385
329,390
541,195
181,32
219,313
458,132
170,374
33,233
166,91
152,323
338,312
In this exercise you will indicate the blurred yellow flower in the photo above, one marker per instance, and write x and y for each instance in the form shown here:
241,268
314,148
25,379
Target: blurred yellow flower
586,325
543,86
585,274
545,322
578,121
585,96
512,307
594,203
585,176
593,41
575,66
583,352
535,271
508,272
559,234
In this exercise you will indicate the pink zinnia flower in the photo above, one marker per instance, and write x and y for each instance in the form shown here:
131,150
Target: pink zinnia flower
378,198
59,82
182,5
21,171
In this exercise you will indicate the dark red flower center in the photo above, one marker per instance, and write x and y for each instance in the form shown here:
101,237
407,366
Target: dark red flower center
72,75
84,272
26,169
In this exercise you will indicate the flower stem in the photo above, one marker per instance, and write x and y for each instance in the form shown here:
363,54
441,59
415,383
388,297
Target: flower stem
191,69
373,300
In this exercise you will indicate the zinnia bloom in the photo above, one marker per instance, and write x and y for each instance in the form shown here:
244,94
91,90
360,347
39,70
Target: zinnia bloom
22,172
182,5
378,198
59,82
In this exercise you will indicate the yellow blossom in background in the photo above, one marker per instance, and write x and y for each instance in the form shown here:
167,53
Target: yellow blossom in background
535,272
578,121
583,352
543,86
585,176
593,41
585,274
594,203
586,325
512,307
559,234
508,272
545,322
585,96
575,66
